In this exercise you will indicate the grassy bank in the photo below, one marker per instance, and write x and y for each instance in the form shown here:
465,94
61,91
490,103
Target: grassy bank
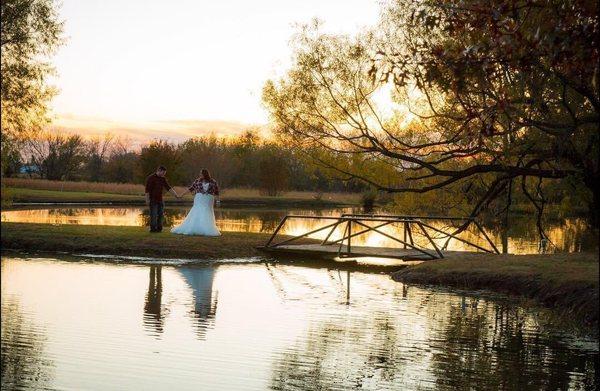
566,282
37,190
128,241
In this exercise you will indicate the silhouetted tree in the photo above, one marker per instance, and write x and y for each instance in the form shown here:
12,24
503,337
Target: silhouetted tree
98,151
30,32
485,94
273,171
58,156
122,163
161,153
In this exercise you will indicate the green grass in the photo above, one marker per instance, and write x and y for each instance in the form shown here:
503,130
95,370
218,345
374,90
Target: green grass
128,241
6,197
568,282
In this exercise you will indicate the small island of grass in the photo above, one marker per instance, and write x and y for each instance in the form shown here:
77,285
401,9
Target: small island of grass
565,282
136,241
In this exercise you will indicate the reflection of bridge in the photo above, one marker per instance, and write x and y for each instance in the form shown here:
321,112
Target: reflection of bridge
352,226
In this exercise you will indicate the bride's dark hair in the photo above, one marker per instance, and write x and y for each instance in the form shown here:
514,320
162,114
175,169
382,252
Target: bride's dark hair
205,174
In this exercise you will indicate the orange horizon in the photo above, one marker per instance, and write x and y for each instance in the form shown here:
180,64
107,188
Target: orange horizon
142,131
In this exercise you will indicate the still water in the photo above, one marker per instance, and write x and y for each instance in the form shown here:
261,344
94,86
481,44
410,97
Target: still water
566,235
260,326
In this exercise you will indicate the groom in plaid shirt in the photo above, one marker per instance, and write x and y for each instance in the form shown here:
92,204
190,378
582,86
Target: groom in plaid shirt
155,184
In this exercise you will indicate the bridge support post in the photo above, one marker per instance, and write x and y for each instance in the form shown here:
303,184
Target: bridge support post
348,288
349,236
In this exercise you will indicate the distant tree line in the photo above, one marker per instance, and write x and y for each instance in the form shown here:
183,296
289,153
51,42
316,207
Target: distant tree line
247,161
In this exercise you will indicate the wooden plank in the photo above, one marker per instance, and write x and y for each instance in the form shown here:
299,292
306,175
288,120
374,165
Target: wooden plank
329,251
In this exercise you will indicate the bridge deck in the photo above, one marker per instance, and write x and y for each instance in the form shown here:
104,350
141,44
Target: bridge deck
331,251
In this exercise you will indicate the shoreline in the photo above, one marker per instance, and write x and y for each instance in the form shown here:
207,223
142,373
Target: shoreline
128,241
23,197
132,241
566,283
176,203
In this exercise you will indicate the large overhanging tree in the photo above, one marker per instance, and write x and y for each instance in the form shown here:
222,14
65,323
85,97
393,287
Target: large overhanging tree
500,93
30,32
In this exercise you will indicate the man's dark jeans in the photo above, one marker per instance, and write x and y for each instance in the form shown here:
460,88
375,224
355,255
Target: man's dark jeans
156,216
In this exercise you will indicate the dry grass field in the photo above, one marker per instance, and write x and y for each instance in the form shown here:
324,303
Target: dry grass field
53,190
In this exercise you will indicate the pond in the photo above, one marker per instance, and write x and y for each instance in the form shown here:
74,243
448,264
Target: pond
566,235
97,325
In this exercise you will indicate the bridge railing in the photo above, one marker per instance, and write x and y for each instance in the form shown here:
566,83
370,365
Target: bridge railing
347,222
465,222
411,225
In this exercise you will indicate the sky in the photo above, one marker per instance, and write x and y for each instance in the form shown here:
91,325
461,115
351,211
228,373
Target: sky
152,69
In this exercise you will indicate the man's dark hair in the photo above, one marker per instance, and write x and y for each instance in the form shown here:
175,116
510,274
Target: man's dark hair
161,168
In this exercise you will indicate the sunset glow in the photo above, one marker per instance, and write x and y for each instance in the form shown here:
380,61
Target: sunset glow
150,69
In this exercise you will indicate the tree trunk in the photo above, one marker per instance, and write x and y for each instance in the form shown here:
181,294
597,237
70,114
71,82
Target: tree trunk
594,206
592,181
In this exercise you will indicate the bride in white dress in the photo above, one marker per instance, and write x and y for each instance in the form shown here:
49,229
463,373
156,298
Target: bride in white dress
200,220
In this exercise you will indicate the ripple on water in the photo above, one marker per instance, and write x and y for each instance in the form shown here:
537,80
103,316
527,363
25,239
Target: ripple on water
256,326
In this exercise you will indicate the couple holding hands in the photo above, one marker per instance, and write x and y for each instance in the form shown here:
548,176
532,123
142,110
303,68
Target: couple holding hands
200,220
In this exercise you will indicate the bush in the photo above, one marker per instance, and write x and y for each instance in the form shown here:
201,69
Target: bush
273,176
6,196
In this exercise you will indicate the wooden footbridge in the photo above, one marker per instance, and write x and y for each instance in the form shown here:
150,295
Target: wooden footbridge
354,225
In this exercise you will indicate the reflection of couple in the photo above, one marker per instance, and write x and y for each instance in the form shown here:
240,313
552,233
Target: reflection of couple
200,219
200,280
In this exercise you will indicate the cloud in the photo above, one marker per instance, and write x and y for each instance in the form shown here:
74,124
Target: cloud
143,131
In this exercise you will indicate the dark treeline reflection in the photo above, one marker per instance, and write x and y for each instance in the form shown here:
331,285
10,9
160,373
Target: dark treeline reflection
494,349
24,364
472,346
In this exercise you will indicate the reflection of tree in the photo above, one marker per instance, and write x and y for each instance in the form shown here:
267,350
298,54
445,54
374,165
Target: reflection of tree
205,305
566,234
494,350
334,357
70,212
22,359
171,215
352,353
269,221
153,312
476,345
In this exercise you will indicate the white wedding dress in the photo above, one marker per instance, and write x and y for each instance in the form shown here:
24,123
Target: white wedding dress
200,220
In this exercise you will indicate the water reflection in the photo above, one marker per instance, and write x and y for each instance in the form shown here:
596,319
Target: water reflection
153,310
569,234
476,353
200,280
24,361
279,327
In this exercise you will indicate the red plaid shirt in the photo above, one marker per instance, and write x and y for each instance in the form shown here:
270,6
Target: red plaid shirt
154,186
197,187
